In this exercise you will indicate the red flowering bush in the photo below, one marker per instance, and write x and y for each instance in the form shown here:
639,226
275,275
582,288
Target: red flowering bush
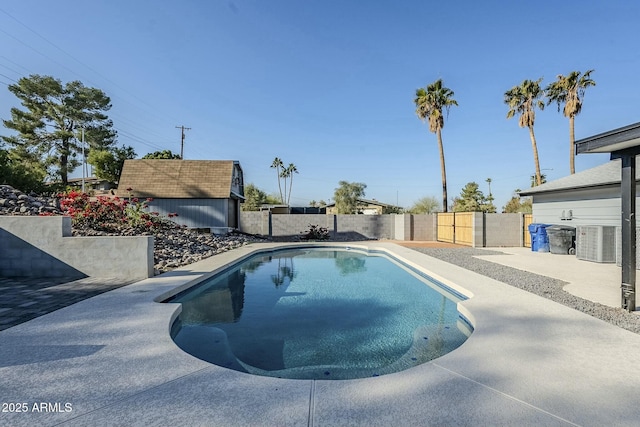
110,213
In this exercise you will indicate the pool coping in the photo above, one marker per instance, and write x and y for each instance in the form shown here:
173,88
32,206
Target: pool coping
529,361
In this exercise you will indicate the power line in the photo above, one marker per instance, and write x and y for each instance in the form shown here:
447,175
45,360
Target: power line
72,57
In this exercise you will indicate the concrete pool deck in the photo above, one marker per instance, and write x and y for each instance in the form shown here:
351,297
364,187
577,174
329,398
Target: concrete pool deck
530,361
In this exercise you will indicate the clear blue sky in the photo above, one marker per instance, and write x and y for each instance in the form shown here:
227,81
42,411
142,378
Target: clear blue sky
329,85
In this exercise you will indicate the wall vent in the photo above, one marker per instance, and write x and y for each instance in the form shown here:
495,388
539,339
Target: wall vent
596,243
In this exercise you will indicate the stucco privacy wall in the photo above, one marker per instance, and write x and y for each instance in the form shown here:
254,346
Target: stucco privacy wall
43,247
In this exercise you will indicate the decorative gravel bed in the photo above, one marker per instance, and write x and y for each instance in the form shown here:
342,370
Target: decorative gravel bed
546,287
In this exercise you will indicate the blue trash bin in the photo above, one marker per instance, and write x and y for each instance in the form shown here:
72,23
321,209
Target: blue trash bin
539,237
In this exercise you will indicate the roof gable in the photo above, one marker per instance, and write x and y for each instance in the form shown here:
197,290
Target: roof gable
164,178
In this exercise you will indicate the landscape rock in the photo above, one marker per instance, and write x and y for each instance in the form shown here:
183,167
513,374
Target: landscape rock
15,202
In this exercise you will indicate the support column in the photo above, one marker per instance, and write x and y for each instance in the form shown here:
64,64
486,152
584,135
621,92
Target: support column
628,196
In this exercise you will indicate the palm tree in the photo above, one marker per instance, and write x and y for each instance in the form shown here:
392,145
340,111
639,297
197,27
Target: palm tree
569,90
277,164
543,180
523,100
288,173
430,102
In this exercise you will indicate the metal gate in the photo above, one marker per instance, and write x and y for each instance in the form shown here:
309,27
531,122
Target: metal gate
456,227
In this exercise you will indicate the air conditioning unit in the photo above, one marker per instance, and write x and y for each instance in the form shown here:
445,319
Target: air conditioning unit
596,243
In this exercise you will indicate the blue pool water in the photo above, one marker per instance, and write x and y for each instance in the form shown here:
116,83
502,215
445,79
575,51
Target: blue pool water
318,314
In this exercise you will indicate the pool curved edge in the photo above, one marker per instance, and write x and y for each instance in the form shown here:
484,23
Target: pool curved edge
222,262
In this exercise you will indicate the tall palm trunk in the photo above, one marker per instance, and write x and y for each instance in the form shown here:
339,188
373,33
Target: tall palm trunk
290,187
572,145
280,186
284,201
534,146
444,172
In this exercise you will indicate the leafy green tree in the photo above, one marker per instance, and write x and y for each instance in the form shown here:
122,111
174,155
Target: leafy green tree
320,204
425,205
107,164
164,154
430,102
346,196
54,114
20,173
517,204
569,90
392,210
523,100
472,200
255,198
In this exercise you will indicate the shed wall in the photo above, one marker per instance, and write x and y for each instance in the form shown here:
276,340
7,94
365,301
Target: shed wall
194,213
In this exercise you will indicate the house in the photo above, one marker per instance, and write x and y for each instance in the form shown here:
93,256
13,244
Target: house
622,144
203,193
90,183
602,196
293,210
590,197
364,206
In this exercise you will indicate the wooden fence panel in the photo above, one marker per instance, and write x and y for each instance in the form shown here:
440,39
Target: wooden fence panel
446,223
528,219
464,228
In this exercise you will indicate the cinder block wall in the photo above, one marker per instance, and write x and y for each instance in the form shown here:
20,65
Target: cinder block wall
425,227
294,225
490,230
504,229
253,222
32,246
369,226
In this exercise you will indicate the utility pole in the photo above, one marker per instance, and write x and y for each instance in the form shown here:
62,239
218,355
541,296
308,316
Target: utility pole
182,140
84,161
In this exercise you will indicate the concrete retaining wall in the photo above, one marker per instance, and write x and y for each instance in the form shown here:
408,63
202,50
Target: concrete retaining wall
32,246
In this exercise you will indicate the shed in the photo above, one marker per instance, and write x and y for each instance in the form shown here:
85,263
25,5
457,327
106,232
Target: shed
204,193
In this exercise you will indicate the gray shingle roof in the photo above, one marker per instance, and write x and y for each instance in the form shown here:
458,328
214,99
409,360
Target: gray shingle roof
606,174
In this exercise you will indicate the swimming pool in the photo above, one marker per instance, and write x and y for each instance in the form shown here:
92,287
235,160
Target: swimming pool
319,313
